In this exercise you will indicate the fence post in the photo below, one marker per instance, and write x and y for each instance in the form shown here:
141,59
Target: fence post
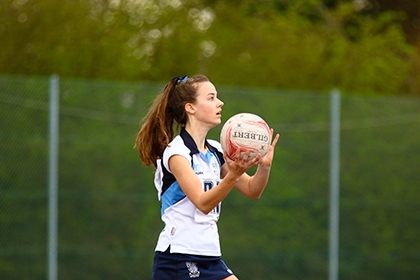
53,177
334,217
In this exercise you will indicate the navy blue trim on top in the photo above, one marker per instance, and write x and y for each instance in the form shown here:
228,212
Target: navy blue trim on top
169,178
190,144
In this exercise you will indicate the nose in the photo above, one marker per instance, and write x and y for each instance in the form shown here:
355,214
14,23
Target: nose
221,103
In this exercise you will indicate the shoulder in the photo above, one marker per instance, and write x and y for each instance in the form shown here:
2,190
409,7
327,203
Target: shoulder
175,147
215,144
217,150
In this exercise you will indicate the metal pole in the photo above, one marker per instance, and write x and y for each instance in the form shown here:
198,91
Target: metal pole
53,178
334,185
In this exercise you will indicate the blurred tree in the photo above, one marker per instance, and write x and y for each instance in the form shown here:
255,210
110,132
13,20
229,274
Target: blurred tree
309,45
410,22
301,44
409,8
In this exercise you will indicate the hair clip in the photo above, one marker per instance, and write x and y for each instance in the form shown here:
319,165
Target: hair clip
181,79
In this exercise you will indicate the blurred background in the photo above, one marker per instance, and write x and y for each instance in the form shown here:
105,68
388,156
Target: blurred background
107,59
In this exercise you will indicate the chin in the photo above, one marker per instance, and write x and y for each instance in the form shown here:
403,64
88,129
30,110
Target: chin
216,123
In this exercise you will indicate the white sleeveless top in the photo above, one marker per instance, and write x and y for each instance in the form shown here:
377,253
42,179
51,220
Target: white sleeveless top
188,230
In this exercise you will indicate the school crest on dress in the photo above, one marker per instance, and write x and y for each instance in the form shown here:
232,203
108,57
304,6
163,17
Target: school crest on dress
193,269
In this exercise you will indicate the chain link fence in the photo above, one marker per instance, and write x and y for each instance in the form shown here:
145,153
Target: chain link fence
108,212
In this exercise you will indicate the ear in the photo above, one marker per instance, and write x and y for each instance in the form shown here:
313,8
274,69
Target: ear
190,108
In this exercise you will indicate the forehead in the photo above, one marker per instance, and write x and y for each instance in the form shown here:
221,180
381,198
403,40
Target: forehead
205,88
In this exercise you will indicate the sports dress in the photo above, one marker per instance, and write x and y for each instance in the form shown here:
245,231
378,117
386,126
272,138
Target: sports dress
188,247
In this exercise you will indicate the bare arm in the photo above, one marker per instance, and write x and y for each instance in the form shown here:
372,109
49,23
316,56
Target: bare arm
191,185
233,176
253,186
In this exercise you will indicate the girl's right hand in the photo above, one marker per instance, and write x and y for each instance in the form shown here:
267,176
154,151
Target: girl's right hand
239,165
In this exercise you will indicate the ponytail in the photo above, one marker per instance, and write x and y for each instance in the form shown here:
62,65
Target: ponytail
168,109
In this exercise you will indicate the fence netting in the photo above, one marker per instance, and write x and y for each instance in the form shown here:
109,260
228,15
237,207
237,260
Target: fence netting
108,212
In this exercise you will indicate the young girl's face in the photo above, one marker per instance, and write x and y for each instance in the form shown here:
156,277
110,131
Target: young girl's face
208,108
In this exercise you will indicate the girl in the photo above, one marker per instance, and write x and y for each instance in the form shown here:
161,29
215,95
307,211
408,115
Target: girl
188,175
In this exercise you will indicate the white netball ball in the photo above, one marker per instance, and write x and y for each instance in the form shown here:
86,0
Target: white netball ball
245,131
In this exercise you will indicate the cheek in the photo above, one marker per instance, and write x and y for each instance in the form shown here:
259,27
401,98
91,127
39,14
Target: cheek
203,112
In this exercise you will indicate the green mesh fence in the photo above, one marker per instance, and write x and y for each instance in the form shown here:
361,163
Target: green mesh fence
108,212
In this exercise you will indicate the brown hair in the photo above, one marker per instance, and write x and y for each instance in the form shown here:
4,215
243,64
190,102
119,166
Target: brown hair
168,107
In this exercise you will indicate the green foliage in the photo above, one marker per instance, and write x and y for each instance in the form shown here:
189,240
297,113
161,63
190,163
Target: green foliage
291,51
283,44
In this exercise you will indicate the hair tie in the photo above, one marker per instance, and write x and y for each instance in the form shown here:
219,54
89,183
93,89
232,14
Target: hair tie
181,79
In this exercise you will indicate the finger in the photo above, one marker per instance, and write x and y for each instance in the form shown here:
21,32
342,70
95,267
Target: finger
226,156
257,159
238,154
276,139
246,155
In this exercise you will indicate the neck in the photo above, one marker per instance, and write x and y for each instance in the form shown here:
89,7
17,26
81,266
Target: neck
199,135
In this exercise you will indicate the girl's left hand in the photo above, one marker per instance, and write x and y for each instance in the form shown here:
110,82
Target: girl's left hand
268,158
